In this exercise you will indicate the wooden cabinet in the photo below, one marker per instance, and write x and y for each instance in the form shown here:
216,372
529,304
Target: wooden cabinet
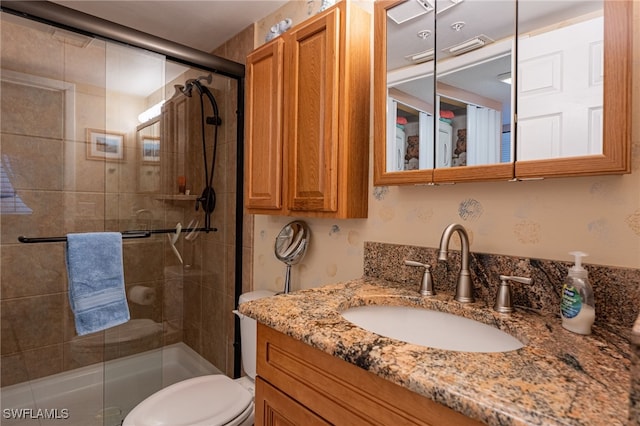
181,144
298,384
307,118
263,154
276,408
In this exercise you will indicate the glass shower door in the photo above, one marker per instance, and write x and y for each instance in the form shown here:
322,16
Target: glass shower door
77,156
52,93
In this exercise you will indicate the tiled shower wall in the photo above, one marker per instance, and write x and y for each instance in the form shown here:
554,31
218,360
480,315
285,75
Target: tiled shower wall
236,49
65,192
69,193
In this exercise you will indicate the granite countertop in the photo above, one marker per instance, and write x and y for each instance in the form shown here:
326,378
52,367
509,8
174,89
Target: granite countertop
557,378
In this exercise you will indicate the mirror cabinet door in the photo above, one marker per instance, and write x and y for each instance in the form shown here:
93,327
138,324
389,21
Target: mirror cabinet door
471,114
148,138
473,62
404,91
571,119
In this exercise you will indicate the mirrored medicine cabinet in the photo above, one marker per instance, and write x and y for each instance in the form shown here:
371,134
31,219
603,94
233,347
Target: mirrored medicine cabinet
478,90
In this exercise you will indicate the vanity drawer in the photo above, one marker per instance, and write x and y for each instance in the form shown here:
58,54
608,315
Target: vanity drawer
339,392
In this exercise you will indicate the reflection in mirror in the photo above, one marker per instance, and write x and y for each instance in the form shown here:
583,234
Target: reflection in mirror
148,137
409,63
560,86
473,73
560,79
410,125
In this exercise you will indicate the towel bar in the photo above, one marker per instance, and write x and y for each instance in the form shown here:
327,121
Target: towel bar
125,235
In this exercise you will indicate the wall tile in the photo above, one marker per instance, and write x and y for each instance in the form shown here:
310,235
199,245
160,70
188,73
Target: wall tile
31,322
32,269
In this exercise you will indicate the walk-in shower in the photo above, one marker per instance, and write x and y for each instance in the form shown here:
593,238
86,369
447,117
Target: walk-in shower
74,157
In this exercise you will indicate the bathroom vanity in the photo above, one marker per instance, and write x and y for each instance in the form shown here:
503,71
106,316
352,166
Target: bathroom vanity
302,385
315,367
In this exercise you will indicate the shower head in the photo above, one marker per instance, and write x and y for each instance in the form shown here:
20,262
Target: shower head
188,87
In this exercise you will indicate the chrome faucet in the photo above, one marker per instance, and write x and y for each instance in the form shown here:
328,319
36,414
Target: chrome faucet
464,289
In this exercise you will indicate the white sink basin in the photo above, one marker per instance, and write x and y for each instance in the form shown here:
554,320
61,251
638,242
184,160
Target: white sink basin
434,329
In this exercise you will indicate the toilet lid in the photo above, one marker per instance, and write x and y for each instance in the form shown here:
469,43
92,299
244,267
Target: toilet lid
200,401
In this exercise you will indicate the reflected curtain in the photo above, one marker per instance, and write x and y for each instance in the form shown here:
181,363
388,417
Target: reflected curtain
426,141
483,135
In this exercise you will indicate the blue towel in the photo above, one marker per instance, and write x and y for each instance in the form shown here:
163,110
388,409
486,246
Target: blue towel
96,281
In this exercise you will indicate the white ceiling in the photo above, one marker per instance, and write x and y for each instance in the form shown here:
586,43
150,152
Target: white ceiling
203,24
495,19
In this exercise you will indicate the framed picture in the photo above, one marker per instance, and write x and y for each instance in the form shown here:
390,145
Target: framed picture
105,145
150,149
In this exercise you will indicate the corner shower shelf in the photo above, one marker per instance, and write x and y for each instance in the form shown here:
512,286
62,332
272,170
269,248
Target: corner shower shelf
177,197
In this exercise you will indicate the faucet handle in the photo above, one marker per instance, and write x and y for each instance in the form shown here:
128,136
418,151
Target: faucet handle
503,303
414,263
426,287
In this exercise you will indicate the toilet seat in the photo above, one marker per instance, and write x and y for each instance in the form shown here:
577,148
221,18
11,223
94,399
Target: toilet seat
201,401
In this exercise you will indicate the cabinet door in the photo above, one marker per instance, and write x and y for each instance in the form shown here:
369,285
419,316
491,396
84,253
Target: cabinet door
263,154
606,125
274,408
178,127
312,108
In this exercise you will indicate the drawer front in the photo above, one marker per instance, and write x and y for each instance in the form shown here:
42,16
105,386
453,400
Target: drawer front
274,408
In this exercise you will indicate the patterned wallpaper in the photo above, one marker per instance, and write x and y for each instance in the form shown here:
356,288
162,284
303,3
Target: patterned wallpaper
542,219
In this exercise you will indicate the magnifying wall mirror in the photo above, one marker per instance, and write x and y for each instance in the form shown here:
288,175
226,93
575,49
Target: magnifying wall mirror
291,246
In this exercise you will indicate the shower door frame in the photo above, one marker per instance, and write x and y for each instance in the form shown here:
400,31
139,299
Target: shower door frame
59,16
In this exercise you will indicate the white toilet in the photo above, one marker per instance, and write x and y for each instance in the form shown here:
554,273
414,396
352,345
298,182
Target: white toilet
211,400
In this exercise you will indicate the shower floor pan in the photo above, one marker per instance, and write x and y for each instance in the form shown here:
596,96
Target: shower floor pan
100,394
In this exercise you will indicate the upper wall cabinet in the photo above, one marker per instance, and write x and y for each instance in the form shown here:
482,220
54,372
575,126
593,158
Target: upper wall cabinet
307,118
495,90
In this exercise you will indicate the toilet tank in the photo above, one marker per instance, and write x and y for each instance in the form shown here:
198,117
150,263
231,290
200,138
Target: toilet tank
248,332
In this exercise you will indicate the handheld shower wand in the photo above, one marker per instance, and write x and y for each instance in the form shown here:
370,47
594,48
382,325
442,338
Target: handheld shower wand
207,199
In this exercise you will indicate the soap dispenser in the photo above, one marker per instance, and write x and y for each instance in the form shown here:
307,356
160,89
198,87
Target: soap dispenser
577,306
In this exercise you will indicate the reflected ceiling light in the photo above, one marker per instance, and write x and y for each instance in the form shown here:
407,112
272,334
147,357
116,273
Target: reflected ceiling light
409,10
505,78
417,58
457,26
468,45
424,34
445,8
151,113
